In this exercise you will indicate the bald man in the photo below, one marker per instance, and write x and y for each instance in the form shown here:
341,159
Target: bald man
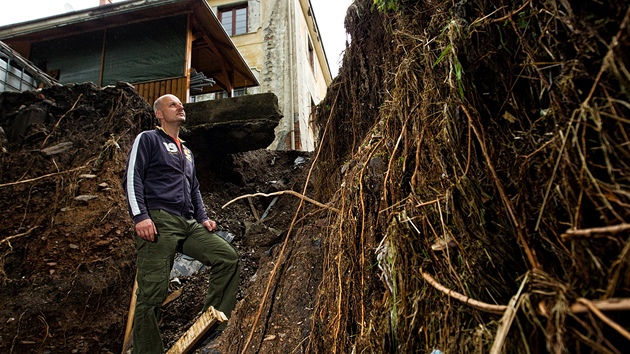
165,204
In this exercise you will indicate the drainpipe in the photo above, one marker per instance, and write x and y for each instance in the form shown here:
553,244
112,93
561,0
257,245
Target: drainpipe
291,37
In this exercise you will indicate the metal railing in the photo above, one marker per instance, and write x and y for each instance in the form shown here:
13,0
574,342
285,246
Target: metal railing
13,77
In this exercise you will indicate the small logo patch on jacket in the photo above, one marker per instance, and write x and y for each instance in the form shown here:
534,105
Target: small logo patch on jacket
170,147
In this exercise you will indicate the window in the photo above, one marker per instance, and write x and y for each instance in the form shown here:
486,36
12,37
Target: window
311,52
234,19
235,93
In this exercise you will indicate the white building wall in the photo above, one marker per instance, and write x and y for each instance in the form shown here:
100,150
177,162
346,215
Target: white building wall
276,50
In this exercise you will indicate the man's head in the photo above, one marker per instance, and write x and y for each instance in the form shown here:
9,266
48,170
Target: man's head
169,110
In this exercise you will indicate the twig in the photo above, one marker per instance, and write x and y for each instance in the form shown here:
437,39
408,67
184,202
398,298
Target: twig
498,309
288,191
59,121
613,304
251,206
612,229
611,47
18,332
430,202
42,319
604,318
510,14
6,239
506,321
45,176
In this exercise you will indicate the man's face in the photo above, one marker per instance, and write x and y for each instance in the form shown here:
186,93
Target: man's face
171,110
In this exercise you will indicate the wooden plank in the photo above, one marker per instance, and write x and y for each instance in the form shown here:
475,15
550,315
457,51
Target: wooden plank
151,91
154,89
175,89
132,311
143,90
206,321
169,85
163,88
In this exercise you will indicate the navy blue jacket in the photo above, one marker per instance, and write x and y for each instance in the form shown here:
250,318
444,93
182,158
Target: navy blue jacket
159,176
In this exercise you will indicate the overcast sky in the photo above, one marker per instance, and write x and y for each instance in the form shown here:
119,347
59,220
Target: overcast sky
328,13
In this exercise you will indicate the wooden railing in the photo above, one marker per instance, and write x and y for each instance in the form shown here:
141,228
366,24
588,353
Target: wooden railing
151,90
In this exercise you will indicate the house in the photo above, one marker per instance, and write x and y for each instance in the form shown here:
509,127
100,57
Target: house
280,41
165,46
196,49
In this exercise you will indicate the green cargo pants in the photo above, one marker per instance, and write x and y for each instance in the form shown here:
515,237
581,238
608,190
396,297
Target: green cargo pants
154,262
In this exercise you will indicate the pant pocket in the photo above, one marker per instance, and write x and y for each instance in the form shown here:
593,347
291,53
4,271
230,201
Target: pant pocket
153,281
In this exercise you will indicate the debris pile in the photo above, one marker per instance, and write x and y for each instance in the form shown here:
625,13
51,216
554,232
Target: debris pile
480,156
66,254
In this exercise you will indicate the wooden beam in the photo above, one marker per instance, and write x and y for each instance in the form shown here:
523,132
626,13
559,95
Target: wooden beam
206,321
132,310
188,57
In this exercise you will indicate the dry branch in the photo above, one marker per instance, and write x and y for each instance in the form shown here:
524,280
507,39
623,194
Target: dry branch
301,196
45,176
59,121
604,318
6,239
614,304
612,229
506,321
130,315
498,309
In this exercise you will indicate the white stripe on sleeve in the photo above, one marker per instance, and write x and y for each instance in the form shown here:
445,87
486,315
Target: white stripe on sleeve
131,175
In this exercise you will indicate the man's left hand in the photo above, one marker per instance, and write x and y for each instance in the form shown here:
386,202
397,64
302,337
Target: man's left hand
210,225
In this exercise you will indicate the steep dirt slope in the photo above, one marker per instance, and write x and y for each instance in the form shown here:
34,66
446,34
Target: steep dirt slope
476,147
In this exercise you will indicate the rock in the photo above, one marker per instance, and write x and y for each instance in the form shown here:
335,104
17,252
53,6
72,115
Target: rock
57,149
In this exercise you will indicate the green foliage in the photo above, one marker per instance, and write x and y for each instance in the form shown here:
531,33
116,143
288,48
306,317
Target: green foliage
442,55
386,5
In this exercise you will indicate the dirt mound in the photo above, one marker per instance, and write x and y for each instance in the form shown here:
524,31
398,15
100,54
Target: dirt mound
67,254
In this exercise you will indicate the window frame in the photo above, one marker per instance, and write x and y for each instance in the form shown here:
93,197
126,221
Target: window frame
310,48
232,9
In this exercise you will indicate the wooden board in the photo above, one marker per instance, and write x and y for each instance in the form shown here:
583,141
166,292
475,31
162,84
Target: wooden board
204,323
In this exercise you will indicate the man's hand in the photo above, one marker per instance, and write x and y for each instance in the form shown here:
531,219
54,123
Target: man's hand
146,230
210,225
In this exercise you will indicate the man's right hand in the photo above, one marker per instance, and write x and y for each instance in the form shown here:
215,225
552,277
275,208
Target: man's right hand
146,230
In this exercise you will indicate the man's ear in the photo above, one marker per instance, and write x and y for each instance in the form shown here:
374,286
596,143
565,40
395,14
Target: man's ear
158,115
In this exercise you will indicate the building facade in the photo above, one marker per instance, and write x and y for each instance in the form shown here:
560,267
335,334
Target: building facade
281,43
